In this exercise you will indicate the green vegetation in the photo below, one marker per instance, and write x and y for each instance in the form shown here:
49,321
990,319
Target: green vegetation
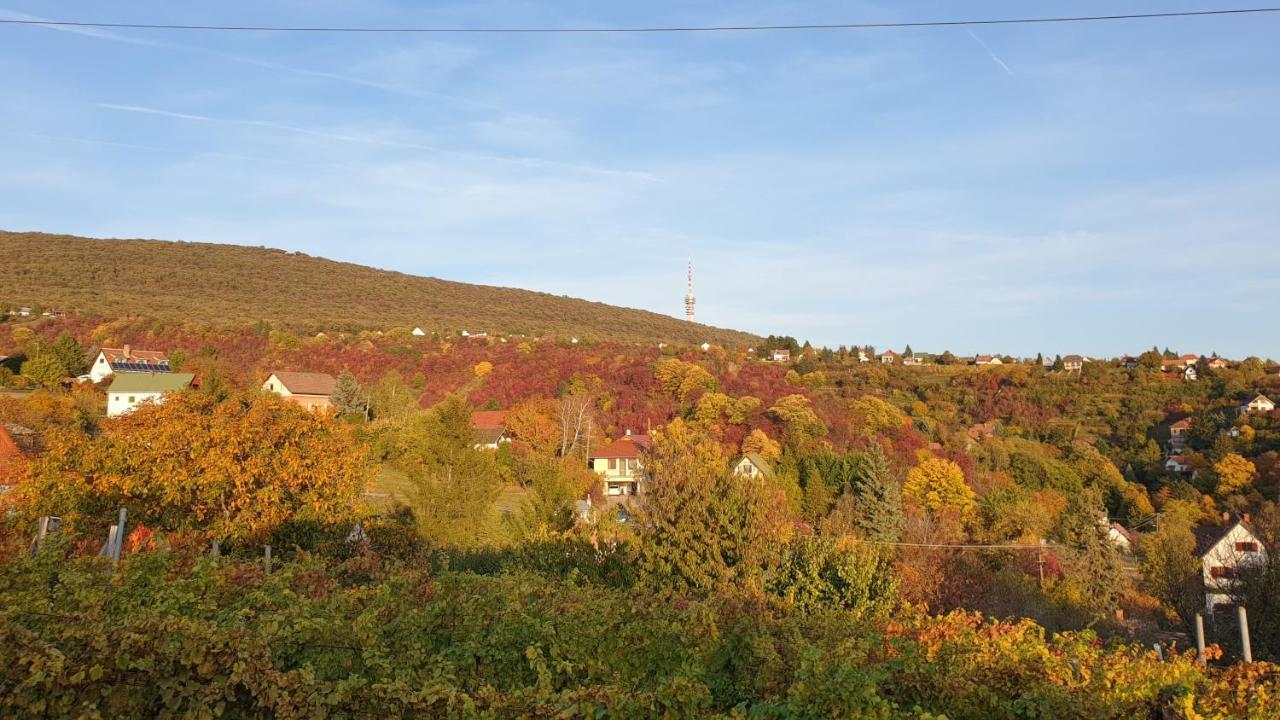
233,284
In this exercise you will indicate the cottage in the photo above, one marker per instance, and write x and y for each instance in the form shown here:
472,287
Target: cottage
1260,404
1218,363
618,464
987,360
888,357
124,360
780,356
1188,360
129,390
1224,551
1179,432
1120,537
310,390
1189,372
1073,363
914,360
1128,361
862,356
753,466
490,429
1177,464
419,332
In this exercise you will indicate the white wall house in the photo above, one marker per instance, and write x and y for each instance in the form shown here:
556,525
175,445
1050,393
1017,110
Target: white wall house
752,466
127,360
618,464
1224,552
129,390
1260,404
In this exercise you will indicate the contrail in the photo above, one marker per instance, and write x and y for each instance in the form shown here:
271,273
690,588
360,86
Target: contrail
990,52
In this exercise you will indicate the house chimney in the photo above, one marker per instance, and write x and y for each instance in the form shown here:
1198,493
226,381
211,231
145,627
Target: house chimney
1226,517
1245,518
628,432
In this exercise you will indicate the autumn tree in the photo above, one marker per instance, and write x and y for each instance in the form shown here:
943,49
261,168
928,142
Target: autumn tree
1235,474
45,368
875,415
536,423
703,526
231,470
1170,569
391,398
758,442
455,483
69,354
800,423
939,485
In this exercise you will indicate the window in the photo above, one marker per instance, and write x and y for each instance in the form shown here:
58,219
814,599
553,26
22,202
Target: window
613,463
131,400
1246,547
1222,572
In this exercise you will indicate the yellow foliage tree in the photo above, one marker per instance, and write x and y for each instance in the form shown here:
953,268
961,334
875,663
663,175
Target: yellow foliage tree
536,423
937,485
483,368
1235,474
233,470
876,415
760,443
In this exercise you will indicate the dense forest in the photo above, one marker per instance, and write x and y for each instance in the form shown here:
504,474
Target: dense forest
926,541
232,284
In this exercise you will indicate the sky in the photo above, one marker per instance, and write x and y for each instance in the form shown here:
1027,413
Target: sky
1093,188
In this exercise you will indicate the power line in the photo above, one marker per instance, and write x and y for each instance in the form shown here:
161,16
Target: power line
667,29
954,546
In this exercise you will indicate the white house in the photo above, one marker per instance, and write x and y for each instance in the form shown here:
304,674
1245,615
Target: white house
1073,363
752,465
489,428
1120,537
129,390
888,357
1189,372
780,356
1177,463
1260,404
862,356
1224,551
618,464
127,360
419,332
987,360
1179,432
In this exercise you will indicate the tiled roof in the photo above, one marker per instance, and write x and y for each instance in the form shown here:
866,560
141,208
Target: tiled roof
1183,423
1209,535
487,436
129,355
627,446
300,383
489,419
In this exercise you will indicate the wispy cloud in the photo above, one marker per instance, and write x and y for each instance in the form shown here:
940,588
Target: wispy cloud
267,124
992,53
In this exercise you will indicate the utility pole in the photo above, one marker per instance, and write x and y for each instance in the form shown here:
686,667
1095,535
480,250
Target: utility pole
1245,649
1040,561
1199,638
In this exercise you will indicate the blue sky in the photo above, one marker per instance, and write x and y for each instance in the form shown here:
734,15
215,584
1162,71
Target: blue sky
1091,188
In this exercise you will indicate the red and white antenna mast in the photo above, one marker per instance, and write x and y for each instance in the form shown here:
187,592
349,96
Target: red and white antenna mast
688,296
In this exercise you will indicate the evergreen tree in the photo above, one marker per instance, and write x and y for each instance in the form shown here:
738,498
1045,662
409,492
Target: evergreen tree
879,514
1091,561
45,369
1058,364
908,352
348,397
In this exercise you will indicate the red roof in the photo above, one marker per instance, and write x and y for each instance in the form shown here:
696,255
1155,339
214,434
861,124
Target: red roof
489,419
300,383
1189,357
627,446
1183,423
8,448
128,354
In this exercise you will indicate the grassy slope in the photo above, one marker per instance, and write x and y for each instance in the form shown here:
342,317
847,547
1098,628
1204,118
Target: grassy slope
230,283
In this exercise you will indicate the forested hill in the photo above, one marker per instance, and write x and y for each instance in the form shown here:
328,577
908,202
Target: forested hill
231,283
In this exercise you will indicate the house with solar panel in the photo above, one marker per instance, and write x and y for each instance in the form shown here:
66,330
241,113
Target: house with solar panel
127,360
130,389
310,390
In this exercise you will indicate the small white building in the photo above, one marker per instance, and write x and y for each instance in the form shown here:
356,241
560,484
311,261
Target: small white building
129,390
419,332
752,465
987,360
1177,463
1120,537
1226,550
1073,363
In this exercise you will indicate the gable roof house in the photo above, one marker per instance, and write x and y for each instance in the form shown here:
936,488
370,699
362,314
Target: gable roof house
1260,404
1189,372
1177,463
780,356
310,390
123,360
987,360
1178,433
752,465
1073,363
1218,363
888,357
618,464
1120,537
129,390
1224,550
490,428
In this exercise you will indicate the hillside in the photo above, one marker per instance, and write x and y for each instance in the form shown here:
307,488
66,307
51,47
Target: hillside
231,283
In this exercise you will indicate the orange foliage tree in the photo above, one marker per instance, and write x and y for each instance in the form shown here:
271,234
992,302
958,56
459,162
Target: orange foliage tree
232,470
